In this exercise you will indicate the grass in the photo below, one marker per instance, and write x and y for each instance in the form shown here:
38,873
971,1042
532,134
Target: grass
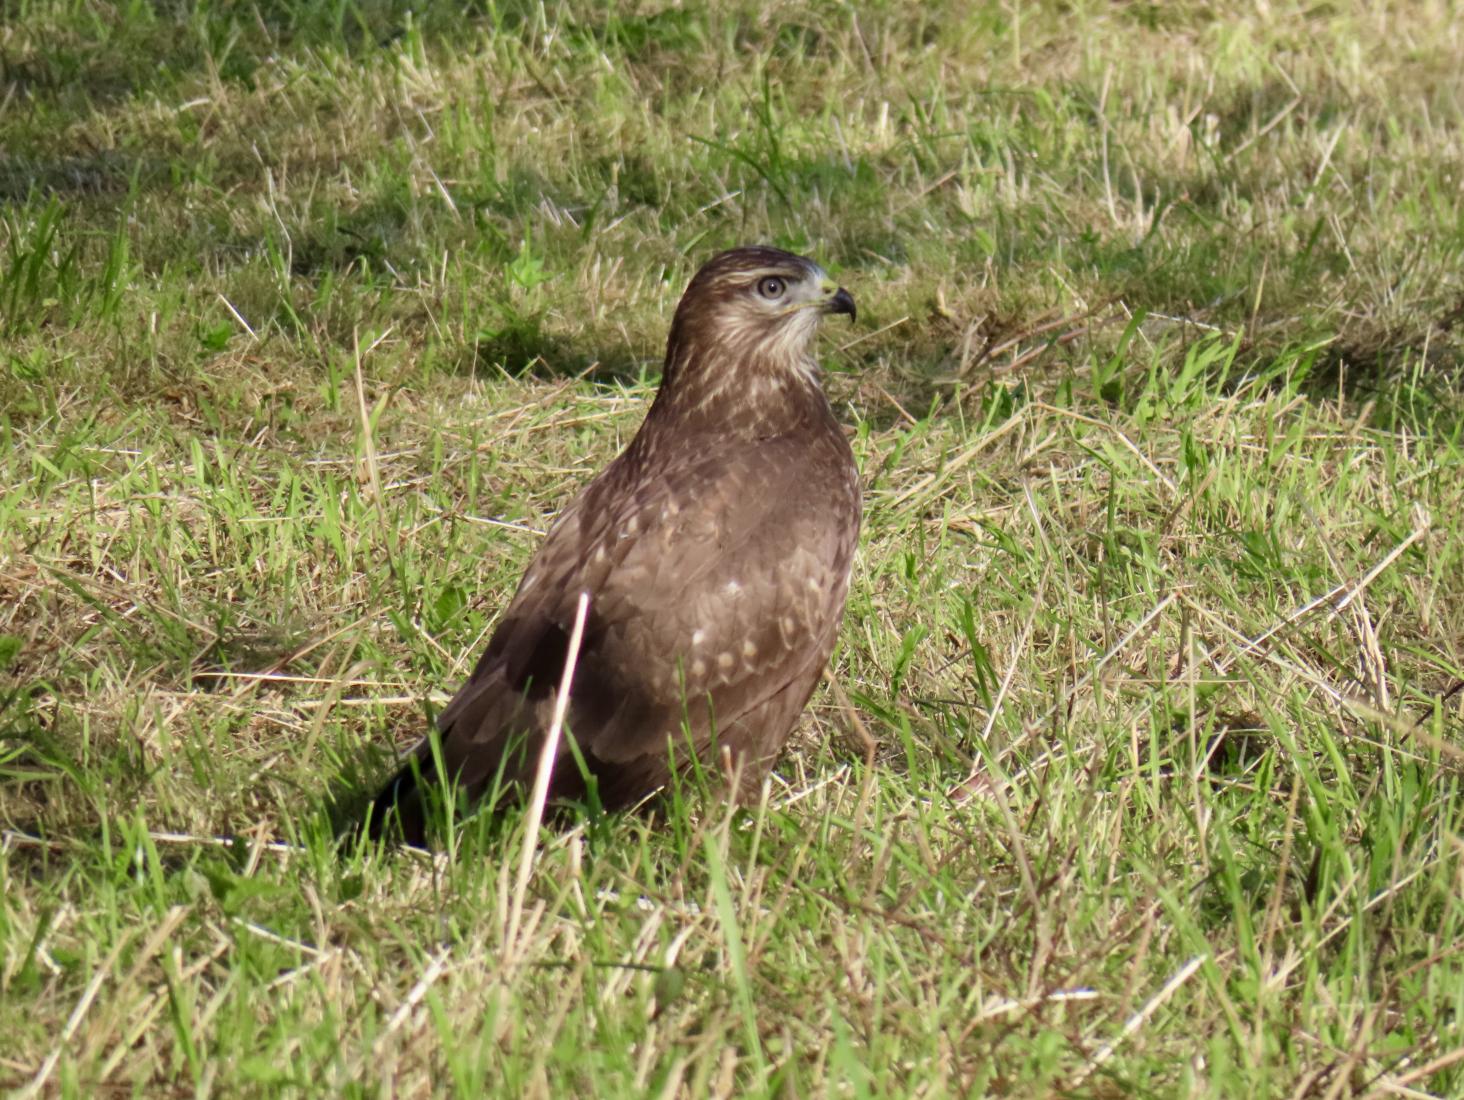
311,315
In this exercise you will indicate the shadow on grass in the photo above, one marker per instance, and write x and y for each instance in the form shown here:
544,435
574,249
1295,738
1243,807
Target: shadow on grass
105,173
46,789
1405,381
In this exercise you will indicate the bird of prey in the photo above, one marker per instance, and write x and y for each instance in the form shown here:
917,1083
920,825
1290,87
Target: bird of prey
715,551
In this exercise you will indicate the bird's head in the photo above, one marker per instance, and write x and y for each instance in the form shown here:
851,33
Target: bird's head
746,324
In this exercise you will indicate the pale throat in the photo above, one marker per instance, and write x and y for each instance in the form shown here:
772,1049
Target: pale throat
755,381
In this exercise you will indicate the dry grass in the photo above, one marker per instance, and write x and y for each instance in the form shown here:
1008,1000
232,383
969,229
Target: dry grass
312,319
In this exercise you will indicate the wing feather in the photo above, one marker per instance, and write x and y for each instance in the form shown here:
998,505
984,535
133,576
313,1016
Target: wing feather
714,585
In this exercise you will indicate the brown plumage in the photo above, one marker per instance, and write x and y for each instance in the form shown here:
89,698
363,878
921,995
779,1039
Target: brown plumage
715,550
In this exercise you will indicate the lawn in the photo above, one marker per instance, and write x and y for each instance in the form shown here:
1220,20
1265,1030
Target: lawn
313,312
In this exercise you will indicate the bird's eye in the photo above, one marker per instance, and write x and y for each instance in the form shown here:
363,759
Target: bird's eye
771,287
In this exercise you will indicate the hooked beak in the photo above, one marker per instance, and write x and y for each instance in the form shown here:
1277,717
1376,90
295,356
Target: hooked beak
839,300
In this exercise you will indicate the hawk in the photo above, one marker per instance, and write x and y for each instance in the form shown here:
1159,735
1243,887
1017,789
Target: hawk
715,550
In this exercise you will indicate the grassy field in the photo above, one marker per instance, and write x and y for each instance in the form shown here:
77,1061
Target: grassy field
312,312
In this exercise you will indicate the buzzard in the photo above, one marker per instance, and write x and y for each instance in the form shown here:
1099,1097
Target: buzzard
715,551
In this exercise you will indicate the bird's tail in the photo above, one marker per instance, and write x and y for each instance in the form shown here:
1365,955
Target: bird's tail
397,813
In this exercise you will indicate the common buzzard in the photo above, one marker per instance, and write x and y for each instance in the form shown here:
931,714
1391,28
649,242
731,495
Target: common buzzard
715,551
